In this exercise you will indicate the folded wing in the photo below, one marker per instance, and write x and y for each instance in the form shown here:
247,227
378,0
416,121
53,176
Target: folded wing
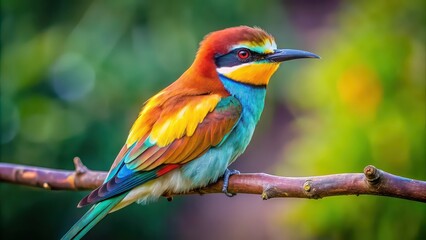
166,136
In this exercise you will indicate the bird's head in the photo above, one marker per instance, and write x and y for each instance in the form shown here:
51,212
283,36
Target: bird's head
243,54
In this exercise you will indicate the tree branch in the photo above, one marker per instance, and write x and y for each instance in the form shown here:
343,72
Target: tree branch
372,182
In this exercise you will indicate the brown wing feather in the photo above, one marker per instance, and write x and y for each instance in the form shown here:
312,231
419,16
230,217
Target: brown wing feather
209,133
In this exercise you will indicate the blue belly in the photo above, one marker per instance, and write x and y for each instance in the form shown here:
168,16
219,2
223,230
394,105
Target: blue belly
209,167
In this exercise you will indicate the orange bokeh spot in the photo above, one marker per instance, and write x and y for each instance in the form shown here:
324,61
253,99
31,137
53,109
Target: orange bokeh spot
360,90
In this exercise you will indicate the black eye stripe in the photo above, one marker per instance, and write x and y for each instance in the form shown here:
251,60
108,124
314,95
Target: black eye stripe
231,59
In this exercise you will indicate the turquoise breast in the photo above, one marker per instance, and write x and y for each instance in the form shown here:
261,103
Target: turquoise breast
210,166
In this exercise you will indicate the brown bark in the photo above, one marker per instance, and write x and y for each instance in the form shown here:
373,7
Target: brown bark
372,182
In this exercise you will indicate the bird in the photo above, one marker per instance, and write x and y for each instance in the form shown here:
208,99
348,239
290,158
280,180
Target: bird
187,135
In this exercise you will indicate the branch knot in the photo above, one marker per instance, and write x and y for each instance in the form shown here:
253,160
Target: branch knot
372,174
270,191
80,169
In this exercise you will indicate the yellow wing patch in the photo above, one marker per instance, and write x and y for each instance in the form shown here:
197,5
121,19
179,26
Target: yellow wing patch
145,120
183,121
165,123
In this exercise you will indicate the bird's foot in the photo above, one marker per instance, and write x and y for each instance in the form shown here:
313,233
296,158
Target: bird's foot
226,175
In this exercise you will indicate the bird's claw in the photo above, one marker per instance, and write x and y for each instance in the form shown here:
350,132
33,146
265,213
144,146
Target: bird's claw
226,175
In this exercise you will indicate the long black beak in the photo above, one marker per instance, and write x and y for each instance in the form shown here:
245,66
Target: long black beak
281,55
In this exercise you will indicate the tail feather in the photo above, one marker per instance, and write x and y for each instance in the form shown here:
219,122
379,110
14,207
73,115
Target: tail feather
92,217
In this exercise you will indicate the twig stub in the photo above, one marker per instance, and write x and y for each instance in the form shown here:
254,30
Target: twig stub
80,168
372,174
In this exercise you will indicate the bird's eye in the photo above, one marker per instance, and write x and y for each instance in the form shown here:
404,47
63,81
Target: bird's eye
243,54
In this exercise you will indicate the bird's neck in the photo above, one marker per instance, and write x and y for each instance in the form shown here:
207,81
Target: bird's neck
251,97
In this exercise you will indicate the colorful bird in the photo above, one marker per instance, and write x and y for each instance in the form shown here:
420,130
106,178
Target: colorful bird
187,135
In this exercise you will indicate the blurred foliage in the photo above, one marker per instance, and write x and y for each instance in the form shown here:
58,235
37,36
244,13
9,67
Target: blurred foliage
73,76
363,104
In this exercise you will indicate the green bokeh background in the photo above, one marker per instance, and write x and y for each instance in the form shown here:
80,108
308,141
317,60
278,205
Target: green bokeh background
74,75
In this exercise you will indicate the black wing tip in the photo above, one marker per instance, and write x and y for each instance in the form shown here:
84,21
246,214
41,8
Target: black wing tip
84,202
95,196
89,199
